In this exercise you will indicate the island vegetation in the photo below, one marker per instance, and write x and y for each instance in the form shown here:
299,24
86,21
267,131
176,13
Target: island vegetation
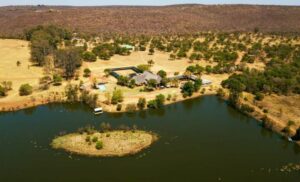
106,142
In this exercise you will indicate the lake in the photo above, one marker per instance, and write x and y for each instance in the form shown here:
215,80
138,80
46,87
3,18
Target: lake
200,140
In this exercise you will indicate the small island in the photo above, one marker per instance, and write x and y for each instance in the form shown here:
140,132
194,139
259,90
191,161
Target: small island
105,144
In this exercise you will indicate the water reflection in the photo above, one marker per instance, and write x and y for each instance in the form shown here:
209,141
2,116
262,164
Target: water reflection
29,111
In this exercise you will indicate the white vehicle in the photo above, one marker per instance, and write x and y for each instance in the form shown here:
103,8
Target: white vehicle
98,110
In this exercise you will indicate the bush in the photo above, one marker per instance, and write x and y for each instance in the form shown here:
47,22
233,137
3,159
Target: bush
144,67
117,97
119,107
99,145
141,103
25,89
188,89
2,91
160,100
162,73
88,138
87,72
95,139
130,108
259,96
89,56
152,104
169,97
5,86
57,79
246,108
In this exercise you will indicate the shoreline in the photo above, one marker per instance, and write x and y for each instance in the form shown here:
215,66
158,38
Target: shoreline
277,125
28,102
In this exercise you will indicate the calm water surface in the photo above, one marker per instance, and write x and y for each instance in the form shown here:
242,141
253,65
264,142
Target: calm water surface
200,140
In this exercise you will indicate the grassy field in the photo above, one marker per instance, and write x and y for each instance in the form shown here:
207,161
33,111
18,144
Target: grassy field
12,51
114,143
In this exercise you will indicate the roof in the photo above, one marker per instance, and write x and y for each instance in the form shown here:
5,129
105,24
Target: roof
127,46
98,109
206,81
146,76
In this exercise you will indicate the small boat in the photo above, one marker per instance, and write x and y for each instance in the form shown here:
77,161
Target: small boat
98,110
290,139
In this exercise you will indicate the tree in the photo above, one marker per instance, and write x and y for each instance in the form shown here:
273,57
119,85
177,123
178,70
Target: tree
2,91
107,72
131,83
152,83
57,79
89,56
40,46
25,89
117,96
160,100
197,85
162,73
188,89
151,62
99,145
71,92
152,104
141,103
44,40
44,82
151,51
123,80
144,67
172,57
68,60
86,72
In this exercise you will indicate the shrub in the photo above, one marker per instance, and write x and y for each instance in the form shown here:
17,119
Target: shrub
259,96
160,100
130,108
220,93
197,85
169,97
188,89
246,108
2,91
99,145
25,89
87,72
162,73
141,103
265,111
5,86
88,138
117,97
144,67
89,56
57,79
119,107
152,104
95,139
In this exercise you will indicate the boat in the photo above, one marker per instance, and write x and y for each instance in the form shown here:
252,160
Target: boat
98,110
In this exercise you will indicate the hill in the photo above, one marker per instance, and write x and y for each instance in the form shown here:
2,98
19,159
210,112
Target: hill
153,19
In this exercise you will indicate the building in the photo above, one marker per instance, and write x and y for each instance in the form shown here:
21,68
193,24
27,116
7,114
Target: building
143,78
127,46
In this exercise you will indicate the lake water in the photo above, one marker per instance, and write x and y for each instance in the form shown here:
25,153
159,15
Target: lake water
200,140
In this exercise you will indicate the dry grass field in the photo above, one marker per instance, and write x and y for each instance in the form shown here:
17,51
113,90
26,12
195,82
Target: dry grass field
11,51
